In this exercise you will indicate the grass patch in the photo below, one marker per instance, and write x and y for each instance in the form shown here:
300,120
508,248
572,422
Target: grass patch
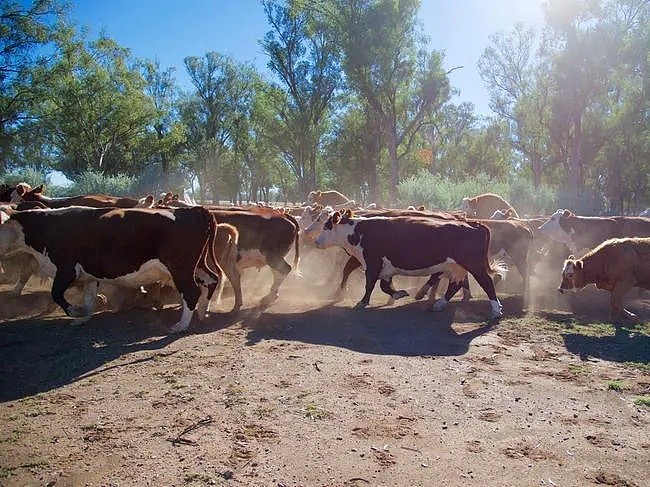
591,330
643,366
263,412
313,412
642,401
615,385
579,369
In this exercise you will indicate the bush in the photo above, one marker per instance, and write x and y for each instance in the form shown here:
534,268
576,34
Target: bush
437,193
29,175
90,182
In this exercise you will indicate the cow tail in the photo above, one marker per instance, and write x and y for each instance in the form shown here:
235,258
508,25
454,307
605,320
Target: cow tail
210,259
496,267
296,255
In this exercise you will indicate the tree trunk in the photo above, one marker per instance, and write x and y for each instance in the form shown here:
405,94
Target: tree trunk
575,175
394,165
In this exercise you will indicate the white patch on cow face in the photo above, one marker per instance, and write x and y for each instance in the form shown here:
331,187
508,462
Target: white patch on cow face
552,229
568,277
388,269
312,222
336,235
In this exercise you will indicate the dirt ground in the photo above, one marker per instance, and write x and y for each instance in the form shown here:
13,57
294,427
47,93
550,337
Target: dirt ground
310,392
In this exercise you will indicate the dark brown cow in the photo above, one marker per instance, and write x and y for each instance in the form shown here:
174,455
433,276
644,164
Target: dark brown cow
130,247
90,200
413,246
616,265
586,232
265,237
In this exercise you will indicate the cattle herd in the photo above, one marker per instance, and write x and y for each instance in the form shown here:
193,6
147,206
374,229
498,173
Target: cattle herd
142,245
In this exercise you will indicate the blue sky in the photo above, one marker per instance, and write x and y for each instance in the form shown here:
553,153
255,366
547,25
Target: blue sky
170,30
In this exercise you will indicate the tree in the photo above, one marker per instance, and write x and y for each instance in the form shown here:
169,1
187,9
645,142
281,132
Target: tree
304,58
96,113
26,29
387,64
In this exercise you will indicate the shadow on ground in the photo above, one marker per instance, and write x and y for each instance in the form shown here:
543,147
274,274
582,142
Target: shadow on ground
40,354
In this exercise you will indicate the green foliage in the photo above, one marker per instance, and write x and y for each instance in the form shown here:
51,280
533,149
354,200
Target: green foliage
96,182
642,401
615,385
29,175
441,193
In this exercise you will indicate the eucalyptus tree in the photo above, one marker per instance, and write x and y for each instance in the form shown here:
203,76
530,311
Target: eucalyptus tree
387,63
96,113
517,82
303,56
166,141
214,113
27,33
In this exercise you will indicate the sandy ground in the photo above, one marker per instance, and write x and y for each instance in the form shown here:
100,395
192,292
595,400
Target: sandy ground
310,392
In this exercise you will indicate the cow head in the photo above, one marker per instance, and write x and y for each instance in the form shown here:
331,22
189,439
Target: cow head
337,230
468,206
313,196
13,194
572,275
312,220
558,227
26,193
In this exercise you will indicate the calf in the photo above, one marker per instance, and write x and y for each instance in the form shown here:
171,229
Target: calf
265,238
131,247
616,265
413,246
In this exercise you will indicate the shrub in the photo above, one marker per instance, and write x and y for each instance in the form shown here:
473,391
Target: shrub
96,182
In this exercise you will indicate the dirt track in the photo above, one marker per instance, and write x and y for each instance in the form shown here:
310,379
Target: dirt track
313,393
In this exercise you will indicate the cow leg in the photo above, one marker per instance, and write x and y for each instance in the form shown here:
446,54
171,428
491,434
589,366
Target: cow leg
352,264
467,293
233,275
386,285
619,290
280,270
190,295
372,274
431,284
184,323
203,305
452,289
90,300
62,280
485,281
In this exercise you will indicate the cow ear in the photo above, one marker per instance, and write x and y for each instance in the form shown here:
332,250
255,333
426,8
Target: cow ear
421,208
20,189
148,200
578,264
571,257
336,217
38,189
348,213
566,213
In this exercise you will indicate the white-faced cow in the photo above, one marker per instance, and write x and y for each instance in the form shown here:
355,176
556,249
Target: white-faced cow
616,265
90,200
131,247
586,232
11,194
413,246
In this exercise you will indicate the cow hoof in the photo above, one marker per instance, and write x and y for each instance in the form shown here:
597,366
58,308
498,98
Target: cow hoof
400,294
360,305
269,298
179,328
439,305
76,311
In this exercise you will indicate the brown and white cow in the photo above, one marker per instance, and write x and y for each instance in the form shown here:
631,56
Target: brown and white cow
265,238
616,265
586,232
484,205
328,198
130,247
413,246
90,200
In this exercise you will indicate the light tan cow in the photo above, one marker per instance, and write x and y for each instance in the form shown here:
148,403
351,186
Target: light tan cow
328,198
484,206
616,265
